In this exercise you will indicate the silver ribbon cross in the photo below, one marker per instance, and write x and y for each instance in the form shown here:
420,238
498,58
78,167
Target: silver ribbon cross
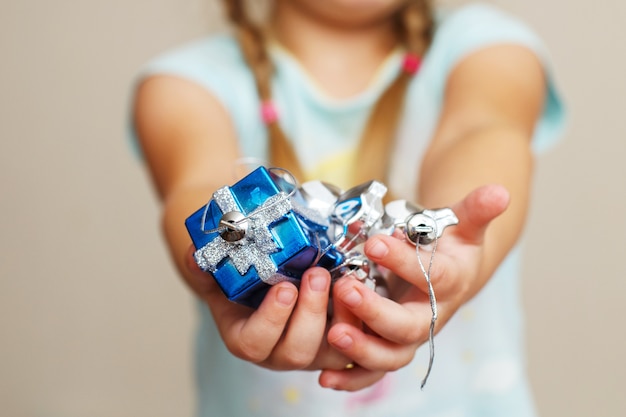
256,244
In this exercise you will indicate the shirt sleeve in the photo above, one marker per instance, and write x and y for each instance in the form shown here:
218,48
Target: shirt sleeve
214,63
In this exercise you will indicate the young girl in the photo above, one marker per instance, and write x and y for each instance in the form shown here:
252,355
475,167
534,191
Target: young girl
438,106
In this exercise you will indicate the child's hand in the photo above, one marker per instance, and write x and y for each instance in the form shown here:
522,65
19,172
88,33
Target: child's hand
400,324
288,329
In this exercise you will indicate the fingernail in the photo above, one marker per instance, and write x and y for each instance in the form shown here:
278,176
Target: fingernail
378,249
343,342
352,298
286,296
318,282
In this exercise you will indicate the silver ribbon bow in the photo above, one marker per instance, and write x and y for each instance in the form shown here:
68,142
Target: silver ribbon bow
257,244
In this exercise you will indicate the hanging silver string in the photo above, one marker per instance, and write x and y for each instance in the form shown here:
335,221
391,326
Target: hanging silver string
433,301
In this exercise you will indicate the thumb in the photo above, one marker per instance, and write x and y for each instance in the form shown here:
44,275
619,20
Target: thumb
478,209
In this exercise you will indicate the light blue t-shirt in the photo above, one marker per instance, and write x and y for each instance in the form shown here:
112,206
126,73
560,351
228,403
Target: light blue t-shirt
479,368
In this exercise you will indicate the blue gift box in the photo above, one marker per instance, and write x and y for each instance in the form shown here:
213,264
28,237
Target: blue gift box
249,237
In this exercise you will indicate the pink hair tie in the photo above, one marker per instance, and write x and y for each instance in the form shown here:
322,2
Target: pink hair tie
411,63
269,112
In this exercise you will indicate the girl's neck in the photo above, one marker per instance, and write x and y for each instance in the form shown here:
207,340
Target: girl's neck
341,59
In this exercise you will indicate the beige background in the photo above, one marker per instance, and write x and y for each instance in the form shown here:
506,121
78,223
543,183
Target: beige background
93,321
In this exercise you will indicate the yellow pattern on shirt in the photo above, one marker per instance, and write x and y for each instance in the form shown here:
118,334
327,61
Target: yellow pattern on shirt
291,395
336,170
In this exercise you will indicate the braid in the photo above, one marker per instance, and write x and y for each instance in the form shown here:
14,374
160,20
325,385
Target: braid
415,28
252,43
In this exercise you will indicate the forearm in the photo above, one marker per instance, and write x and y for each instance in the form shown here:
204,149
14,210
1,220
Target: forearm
497,155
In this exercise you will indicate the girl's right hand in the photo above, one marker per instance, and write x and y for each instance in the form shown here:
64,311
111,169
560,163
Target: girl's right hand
286,332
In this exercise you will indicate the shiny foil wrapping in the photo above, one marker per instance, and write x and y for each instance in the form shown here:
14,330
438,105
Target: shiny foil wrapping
264,230
278,244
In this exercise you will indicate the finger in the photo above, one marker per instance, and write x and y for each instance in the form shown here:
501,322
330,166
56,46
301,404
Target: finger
353,379
340,312
400,324
327,356
401,258
258,335
477,210
368,350
307,325
254,337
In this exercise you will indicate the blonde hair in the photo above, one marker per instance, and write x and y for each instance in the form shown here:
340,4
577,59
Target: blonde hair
415,29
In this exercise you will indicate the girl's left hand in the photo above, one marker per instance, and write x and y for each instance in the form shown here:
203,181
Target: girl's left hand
398,325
